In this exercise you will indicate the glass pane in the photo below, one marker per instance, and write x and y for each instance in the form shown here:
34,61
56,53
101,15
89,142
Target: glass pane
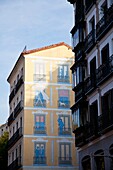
62,151
65,70
37,69
66,122
67,152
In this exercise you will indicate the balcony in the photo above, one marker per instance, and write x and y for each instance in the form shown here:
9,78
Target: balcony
17,135
90,131
18,108
89,41
79,52
90,84
16,164
39,130
11,96
10,119
65,160
63,104
105,23
39,77
89,4
39,160
104,71
63,79
79,91
84,134
19,83
64,131
105,121
39,103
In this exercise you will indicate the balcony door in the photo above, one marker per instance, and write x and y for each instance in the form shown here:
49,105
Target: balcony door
105,54
94,115
92,70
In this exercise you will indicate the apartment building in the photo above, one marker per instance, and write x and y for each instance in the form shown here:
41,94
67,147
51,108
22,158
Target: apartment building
40,131
3,128
92,43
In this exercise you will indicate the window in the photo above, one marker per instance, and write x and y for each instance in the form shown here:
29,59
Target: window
12,156
86,163
75,118
17,77
40,157
13,130
77,37
105,54
103,9
64,125
63,73
74,79
65,153
111,153
107,109
16,153
79,73
63,101
40,98
21,71
39,72
17,126
99,160
39,124
94,115
92,24
21,122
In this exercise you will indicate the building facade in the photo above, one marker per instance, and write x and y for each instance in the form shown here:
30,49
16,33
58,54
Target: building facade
92,43
3,128
40,132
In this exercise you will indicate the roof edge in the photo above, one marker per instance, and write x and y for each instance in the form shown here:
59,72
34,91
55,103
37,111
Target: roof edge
46,47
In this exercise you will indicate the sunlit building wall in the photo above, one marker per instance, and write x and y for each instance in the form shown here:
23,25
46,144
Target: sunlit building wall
40,124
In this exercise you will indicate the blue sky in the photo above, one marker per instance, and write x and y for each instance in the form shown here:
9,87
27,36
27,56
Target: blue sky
34,23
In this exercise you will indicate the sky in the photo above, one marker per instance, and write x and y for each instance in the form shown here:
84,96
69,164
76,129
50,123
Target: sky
31,23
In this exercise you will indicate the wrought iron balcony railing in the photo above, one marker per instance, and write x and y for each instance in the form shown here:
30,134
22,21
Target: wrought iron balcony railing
39,130
63,104
64,131
90,41
10,119
39,77
79,91
11,96
84,134
63,79
105,121
16,164
39,103
90,131
90,84
18,108
104,71
19,83
17,135
65,160
39,160
105,23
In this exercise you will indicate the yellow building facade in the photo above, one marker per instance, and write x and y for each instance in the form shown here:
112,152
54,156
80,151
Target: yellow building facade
40,127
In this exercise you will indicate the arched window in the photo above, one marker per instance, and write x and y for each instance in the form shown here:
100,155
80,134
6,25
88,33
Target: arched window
111,153
86,163
99,159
